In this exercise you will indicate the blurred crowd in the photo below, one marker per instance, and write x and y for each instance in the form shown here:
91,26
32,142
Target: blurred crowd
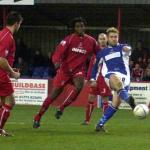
33,64
140,63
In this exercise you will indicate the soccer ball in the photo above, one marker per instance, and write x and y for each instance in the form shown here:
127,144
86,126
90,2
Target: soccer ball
141,111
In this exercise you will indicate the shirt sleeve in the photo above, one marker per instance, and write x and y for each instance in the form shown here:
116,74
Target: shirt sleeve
5,46
96,47
91,64
95,69
60,50
129,52
2,50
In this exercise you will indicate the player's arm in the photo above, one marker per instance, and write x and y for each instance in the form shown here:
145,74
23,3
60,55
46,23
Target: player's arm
91,64
59,52
96,47
4,63
95,69
127,49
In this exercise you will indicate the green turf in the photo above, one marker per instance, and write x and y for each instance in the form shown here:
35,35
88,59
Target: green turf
125,131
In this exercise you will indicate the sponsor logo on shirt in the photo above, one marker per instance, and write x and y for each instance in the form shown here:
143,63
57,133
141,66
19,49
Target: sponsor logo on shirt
78,50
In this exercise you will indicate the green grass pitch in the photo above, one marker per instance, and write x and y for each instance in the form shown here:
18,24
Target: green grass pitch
125,132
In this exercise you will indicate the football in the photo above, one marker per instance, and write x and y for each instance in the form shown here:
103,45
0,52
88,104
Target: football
141,111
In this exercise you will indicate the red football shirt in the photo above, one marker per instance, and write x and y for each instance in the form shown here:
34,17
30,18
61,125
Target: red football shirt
7,49
73,52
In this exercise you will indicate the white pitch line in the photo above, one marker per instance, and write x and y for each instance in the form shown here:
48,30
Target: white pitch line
20,123
23,123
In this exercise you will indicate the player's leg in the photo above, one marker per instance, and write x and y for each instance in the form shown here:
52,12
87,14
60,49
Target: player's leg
101,89
104,92
47,102
93,91
89,108
78,85
58,83
8,103
1,102
121,93
105,102
109,112
117,85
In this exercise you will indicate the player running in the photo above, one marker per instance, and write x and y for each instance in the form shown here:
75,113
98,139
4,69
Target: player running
116,59
7,53
101,89
70,60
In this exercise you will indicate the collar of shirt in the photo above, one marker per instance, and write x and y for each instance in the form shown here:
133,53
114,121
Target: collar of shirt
109,46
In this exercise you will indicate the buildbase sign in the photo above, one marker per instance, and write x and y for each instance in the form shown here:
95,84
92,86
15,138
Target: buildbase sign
16,2
30,91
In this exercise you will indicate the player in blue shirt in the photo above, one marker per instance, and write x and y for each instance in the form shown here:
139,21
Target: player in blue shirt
116,59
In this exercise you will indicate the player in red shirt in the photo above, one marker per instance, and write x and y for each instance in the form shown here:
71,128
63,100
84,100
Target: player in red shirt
70,60
7,53
102,89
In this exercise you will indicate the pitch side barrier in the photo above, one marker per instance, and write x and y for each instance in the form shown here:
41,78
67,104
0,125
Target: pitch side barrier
34,91
141,92
30,91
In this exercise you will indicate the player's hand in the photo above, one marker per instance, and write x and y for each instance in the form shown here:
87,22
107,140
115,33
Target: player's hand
126,48
85,82
15,74
16,69
57,65
93,83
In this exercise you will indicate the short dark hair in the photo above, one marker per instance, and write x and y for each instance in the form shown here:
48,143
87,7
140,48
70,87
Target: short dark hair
13,17
78,19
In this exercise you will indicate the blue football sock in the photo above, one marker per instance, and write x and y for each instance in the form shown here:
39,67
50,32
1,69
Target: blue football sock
110,111
123,94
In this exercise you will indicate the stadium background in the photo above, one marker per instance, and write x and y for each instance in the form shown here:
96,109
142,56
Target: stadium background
48,20
45,24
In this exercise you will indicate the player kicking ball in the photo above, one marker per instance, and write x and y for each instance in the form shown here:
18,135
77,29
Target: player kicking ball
116,58
7,53
70,61
101,89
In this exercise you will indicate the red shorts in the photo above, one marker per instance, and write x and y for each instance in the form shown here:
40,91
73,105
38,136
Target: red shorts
6,88
102,89
62,78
